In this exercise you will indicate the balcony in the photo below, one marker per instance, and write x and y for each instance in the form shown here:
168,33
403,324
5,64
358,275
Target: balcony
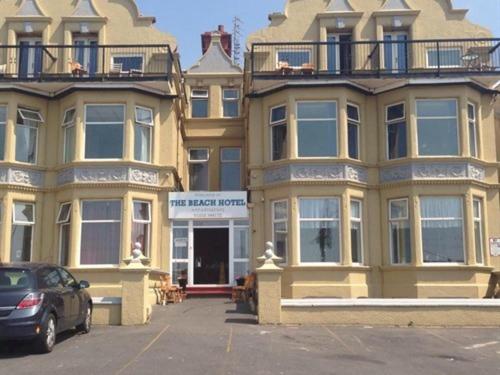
375,59
32,62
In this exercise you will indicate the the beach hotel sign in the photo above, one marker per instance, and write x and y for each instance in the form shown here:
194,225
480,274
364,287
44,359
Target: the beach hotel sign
208,205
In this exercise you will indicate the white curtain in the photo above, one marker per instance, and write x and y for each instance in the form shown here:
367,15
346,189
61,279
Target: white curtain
442,229
319,208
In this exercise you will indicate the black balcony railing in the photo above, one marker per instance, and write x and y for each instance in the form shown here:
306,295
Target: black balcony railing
375,58
37,62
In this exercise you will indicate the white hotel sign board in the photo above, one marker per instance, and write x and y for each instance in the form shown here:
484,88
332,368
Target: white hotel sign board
208,205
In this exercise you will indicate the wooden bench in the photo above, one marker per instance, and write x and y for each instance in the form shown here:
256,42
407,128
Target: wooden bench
246,292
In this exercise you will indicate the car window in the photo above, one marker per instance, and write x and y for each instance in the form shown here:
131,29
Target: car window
12,279
49,278
68,280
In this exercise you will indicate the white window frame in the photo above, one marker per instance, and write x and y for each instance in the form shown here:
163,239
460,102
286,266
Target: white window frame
281,221
189,238
79,255
24,223
125,55
228,161
337,126
85,123
441,49
361,229
63,222
357,123
339,220
422,219
237,100
473,122
456,117
200,161
68,125
198,97
149,222
148,125
29,123
402,219
280,122
478,219
391,122
278,51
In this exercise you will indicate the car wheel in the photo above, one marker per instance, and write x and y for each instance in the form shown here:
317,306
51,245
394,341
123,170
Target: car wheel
47,340
86,326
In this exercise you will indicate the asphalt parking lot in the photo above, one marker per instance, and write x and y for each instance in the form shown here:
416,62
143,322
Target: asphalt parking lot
209,336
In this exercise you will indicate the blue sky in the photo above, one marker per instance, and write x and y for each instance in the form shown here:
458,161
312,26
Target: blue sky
187,19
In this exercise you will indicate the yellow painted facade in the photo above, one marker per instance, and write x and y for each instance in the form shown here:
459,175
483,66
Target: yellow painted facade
53,178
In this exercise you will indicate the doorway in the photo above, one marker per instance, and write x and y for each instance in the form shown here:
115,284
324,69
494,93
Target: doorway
211,256
30,57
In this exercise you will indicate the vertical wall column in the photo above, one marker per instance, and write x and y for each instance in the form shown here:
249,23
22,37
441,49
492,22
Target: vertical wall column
269,287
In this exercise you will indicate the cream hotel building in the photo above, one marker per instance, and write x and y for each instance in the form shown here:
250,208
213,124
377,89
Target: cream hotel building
360,137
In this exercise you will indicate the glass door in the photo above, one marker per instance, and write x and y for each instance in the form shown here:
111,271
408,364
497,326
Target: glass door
86,54
396,52
30,57
339,53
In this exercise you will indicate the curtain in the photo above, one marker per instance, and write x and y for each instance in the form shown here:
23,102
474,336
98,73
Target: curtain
319,208
442,229
142,143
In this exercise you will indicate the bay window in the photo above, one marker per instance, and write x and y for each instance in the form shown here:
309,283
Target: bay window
141,226
231,102
442,229
319,230
317,129
278,125
357,231
27,125
104,131
230,169
3,121
199,103
69,135
64,222
395,117
478,229
473,131
353,124
198,169
23,224
143,134
437,127
280,229
399,231
101,232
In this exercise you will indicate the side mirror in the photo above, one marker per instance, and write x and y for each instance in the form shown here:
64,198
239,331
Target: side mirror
84,284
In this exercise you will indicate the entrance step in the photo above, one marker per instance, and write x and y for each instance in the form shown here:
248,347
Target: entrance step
208,291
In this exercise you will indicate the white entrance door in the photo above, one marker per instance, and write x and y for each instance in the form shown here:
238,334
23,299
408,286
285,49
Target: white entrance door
184,264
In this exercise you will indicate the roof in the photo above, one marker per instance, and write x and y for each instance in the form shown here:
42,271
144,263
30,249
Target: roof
215,60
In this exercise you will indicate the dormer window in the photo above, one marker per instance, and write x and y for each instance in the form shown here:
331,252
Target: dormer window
199,103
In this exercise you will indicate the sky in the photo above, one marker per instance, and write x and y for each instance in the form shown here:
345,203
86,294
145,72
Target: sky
188,19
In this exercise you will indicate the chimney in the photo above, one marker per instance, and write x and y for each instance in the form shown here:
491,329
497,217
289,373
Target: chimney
225,39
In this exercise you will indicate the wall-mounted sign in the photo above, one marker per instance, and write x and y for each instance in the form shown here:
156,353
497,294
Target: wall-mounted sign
208,205
495,246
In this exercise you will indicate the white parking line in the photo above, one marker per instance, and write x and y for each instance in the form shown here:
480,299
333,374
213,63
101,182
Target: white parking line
479,346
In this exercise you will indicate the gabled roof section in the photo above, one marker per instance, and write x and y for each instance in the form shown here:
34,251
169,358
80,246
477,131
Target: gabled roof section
85,8
395,5
30,8
339,6
215,60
